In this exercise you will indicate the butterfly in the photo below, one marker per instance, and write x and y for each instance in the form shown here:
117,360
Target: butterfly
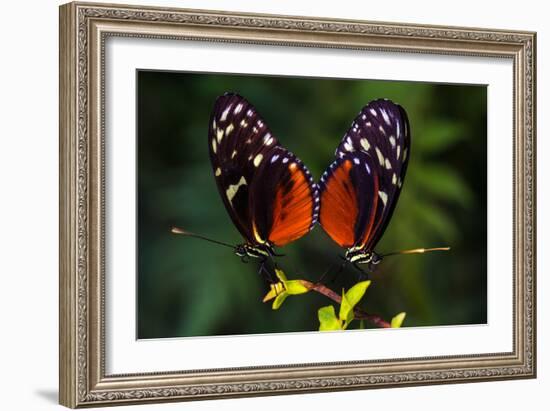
268,192
360,189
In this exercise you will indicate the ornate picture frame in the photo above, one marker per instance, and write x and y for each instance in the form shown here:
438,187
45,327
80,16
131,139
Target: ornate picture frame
84,29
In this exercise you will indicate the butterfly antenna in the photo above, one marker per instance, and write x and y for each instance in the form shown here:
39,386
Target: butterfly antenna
417,251
181,231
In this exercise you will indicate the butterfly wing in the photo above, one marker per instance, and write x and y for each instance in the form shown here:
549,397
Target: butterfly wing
285,201
258,191
349,198
382,131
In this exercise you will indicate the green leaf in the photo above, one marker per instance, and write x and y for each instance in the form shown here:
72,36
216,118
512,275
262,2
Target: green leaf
350,299
280,275
279,300
327,319
355,293
295,287
398,320
346,310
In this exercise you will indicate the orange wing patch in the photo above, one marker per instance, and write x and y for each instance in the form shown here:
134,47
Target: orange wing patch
292,208
339,206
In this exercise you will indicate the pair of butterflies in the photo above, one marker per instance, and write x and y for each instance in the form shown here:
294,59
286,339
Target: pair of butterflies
272,198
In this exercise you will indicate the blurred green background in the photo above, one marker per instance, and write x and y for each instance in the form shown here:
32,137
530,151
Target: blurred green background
187,287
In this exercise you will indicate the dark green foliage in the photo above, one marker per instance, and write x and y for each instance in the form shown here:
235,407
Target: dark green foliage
188,287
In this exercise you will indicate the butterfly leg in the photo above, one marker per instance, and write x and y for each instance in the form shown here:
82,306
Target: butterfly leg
363,275
263,269
336,274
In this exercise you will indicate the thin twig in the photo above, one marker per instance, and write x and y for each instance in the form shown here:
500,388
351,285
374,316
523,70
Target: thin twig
358,313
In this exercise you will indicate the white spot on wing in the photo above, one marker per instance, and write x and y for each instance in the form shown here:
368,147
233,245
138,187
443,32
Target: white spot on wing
367,167
404,154
365,144
225,113
383,197
398,152
268,140
220,135
394,179
244,124
214,146
392,141
274,158
229,129
233,154
238,108
233,188
388,164
380,156
285,160
382,130
218,172
373,112
385,116
258,159
356,160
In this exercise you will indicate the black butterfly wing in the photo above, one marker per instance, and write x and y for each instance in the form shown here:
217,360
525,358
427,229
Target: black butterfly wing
244,155
349,199
381,130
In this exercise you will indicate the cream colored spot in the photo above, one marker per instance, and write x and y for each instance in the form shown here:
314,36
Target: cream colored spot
380,156
218,172
388,164
394,179
214,146
405,154
268,140
383,197
398,152
386,117
225,113
233,154
348,147
220,135
255,129
373,112
233,188
392,141
292,166
244,124
229,129
365,144
368,124
258,159
214,124
382,130
238,108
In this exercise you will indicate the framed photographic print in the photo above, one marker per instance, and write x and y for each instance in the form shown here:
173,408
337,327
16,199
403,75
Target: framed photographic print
259,204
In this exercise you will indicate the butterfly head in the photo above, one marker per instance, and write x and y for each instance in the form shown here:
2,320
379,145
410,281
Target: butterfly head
362,256
261,251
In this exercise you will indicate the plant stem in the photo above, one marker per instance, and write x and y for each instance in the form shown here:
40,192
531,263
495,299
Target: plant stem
358,313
